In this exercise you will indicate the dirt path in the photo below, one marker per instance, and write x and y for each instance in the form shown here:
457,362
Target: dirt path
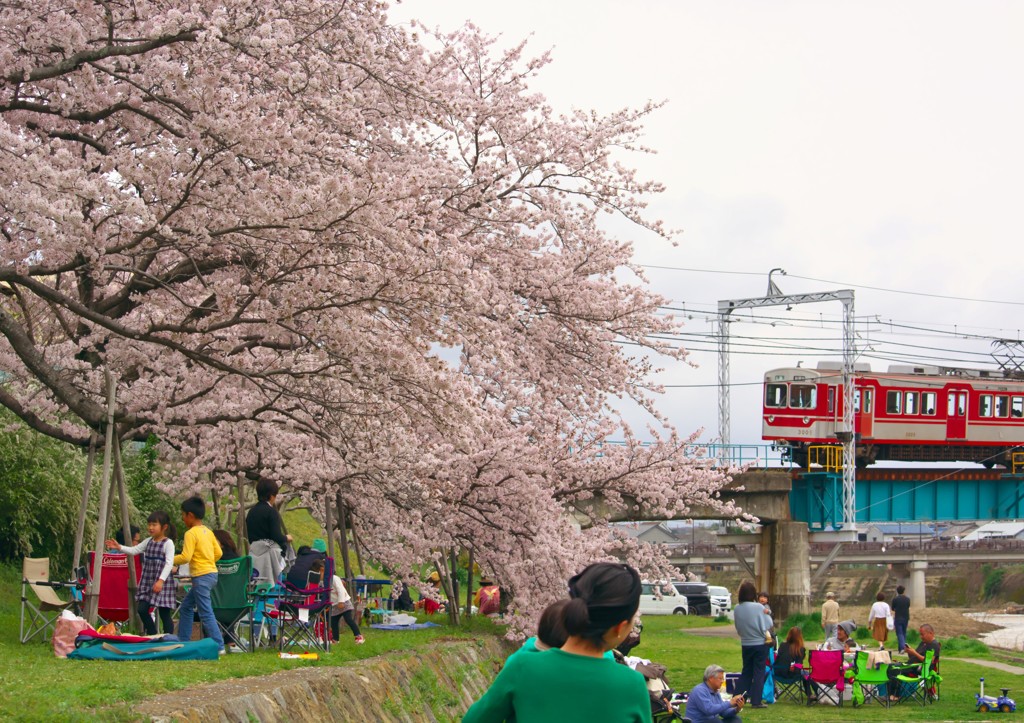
948,623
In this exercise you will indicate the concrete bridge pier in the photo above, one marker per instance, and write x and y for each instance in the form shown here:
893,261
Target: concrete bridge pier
783,567
911,575
916,588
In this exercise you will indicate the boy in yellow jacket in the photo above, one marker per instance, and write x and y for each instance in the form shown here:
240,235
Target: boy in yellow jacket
201,551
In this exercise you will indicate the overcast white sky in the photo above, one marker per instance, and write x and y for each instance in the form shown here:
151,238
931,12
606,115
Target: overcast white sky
870,144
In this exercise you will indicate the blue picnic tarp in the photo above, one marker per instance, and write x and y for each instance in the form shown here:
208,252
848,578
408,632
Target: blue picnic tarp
414,626
205,649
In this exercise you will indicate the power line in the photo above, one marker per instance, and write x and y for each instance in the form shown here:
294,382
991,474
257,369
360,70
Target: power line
923,294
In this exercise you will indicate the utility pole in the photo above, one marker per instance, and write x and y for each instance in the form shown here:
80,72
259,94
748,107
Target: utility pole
846,435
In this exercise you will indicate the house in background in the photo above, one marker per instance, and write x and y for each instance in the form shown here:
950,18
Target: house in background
997,531
890,532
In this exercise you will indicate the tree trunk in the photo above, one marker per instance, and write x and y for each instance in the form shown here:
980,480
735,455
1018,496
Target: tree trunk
469,585
329,525
242,539
343,536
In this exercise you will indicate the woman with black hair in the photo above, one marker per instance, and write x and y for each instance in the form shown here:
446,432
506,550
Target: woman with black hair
576,682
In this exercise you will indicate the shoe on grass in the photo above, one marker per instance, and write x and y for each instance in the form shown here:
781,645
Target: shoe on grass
360,640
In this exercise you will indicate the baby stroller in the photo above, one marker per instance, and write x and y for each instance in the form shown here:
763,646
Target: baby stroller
666,704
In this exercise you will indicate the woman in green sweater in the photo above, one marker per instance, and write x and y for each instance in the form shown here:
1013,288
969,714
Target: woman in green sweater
576,683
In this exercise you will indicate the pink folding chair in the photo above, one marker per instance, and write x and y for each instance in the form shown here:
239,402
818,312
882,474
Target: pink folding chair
827,672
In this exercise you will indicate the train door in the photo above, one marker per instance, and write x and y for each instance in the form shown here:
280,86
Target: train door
864,412
956,413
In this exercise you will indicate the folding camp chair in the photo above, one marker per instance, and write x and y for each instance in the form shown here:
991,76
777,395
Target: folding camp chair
790,686
39,616
870,684
232,605
827,673
921,689
114,603
304,615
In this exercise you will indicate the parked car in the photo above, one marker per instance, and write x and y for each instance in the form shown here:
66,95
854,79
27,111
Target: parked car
697,595
721,599
671,602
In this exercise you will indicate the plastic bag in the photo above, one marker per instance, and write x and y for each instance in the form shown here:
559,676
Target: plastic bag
890,623
65,631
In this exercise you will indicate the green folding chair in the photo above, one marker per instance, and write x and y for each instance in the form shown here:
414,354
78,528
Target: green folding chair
869,684
919,689
232,606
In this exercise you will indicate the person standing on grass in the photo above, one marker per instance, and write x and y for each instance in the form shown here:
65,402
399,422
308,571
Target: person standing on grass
830,615
754,627
200,552
156,586
576,683
901,617
878,620
265,531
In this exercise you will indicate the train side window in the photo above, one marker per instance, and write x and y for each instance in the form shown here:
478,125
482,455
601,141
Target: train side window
831,400
803,396
985,405
1017,407
910,403
1002,406
775,395
928,403
893,402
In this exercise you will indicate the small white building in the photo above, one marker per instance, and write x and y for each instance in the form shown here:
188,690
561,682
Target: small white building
1012,530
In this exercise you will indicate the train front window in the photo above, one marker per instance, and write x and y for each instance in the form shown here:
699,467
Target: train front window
803,396
893,402
1017,407
775,395
928,403
1002,406
985,405
910,403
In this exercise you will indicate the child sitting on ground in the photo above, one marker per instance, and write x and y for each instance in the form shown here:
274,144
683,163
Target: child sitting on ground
156,586
341,605
201,551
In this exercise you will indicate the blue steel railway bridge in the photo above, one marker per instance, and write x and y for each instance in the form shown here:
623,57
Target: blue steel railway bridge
800,506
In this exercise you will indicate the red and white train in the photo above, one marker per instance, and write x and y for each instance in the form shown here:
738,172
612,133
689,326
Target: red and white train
909,413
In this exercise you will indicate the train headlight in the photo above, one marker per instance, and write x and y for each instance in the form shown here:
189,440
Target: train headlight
807,420
771,417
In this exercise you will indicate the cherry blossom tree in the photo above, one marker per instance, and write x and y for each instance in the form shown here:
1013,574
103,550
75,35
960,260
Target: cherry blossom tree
309,244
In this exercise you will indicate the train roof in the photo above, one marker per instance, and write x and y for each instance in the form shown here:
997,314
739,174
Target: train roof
912,370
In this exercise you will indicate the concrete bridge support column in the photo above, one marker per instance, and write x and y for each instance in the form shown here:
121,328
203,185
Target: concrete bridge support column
784,568
916,588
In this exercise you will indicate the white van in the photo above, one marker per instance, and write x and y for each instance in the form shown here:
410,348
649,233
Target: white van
721,600
670,603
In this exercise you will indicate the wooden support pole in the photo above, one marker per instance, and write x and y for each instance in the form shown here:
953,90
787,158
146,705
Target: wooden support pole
83,510
92,595
343,536
133,581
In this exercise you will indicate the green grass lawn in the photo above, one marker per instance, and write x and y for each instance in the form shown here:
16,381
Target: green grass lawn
666,640
38,687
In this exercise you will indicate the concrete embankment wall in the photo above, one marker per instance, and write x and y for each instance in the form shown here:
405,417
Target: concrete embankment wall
433,683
